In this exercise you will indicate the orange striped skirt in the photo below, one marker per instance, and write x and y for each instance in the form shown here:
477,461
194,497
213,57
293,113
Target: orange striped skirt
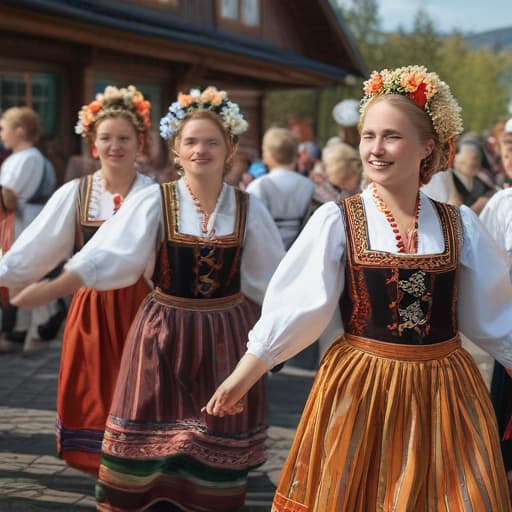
400,428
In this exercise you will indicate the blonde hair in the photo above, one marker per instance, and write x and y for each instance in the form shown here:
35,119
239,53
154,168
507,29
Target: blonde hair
281,145
341,162
440,156
26,118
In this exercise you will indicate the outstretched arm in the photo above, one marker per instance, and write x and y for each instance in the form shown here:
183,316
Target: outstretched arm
45,291
226,399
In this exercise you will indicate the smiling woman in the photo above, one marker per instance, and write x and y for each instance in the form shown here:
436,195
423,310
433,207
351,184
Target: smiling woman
215,251
398,415
116,125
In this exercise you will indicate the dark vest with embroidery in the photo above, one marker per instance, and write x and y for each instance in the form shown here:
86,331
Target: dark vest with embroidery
398,298
85,228
193,267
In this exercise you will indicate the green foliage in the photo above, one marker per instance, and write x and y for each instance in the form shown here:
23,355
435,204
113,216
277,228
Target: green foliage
480,80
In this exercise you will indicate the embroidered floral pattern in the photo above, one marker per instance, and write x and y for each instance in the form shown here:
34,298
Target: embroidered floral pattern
415,285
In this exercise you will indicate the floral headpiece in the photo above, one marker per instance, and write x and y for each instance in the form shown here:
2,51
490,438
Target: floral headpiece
114,100
209,99
426,89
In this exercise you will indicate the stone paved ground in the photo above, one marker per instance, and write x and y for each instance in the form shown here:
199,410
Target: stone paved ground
33,479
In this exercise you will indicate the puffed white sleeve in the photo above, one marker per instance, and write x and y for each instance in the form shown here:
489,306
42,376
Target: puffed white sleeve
497,218
116,256
485,291
263,250
304,291
44,243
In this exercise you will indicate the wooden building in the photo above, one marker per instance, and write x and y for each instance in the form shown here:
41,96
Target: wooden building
55,54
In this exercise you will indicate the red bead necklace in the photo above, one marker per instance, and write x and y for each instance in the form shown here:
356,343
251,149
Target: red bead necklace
412,232
200,210
118,201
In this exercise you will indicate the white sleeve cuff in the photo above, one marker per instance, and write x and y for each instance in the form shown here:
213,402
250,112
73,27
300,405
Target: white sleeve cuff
85,269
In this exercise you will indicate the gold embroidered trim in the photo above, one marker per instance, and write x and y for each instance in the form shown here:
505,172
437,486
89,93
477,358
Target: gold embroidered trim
362,255
170,205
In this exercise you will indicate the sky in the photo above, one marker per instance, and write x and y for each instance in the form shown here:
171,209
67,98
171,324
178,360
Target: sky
464,15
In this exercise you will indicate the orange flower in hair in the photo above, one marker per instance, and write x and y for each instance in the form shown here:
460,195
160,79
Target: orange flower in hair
114,100
426,89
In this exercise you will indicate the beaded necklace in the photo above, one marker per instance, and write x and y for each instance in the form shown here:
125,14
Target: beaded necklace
412,232
199,208
117,198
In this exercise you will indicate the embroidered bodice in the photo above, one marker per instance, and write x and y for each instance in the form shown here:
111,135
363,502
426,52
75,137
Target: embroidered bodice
194,267
86,201
410,299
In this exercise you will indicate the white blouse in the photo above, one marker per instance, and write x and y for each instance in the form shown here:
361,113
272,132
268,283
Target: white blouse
305,290
115,257
50,237
497,218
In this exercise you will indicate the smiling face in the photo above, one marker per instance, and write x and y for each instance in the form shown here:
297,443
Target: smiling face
202,148
391,147
117,143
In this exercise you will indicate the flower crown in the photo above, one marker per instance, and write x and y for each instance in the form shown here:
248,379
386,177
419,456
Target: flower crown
209,99
114,100
426,89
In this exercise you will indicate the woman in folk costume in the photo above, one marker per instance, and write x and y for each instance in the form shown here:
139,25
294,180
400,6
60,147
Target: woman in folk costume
116,124
216,249
398,418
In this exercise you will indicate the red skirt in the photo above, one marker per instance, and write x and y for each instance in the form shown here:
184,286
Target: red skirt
96,328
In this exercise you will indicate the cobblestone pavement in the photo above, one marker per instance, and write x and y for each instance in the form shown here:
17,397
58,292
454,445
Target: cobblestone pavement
33,479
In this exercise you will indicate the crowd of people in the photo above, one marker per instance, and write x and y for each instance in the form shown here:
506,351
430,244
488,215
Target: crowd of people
389,250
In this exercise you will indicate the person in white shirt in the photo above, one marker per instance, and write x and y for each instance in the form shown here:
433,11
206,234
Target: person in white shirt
399,417
216,248
116,125
286,193
23,175
497,218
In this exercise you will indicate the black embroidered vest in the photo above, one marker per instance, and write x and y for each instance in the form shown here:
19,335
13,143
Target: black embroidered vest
193,267
400,298
85,228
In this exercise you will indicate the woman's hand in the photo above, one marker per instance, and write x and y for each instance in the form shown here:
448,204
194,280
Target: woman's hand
43,292
228,397
32,296
509,371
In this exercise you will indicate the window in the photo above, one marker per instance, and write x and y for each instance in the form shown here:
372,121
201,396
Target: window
35,90
244,13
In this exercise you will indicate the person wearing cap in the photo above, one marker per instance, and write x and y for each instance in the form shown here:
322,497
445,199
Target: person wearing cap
346,114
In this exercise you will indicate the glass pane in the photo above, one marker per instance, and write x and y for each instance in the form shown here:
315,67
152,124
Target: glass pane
37,90
229,9
251,12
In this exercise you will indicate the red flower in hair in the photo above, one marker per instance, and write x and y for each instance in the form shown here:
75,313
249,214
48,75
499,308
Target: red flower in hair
419,96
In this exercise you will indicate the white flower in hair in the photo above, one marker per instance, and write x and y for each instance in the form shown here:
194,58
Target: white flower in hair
208,99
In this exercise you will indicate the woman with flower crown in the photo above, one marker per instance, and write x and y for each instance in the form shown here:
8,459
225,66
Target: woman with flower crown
216,249
116,124
399,418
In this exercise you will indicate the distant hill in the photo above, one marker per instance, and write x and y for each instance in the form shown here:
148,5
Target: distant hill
496,40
